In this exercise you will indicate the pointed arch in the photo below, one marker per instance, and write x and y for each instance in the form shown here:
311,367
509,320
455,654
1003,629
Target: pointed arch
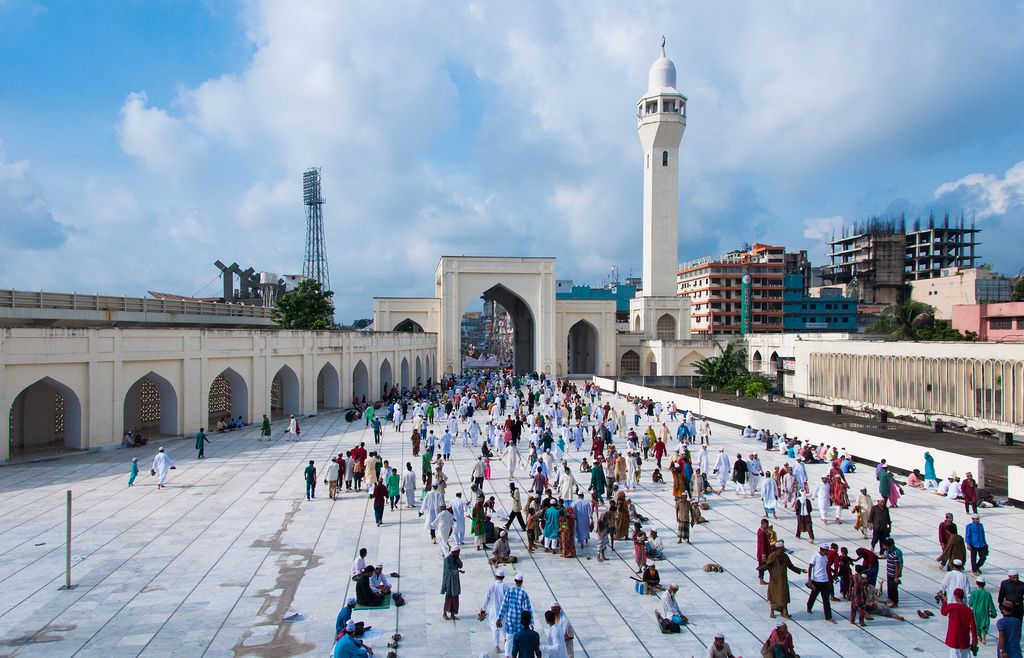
636,324
360,382
419,371
151,407
629,364
756,361
403,374
409,325
285,397
652,365
228,398
387,378
582,348
45,416
428,370
666,329
686,365
328,388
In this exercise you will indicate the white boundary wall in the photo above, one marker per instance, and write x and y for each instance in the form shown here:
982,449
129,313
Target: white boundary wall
1015,482
866,446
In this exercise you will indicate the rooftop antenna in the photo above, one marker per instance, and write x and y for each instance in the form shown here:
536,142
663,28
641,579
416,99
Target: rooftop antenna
314,265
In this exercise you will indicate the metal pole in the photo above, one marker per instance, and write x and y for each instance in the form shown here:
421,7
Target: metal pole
67,544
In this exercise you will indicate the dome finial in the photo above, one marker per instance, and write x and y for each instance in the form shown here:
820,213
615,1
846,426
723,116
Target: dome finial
663,45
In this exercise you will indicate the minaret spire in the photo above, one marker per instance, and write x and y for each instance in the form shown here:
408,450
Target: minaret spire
663,45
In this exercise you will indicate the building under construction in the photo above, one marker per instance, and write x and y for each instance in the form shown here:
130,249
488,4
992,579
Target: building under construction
876,259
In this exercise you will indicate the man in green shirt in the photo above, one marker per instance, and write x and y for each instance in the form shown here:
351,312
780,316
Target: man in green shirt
368,414
310,475
265,430
201,442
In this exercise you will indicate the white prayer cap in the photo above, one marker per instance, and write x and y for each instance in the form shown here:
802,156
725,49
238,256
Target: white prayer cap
351,600
500,573
719,636
518,578
350,626
1012,573
823,547
555,604
161,449
980,579
780,623
958,563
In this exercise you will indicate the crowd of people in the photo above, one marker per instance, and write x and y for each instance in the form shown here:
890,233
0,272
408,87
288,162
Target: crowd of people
574,462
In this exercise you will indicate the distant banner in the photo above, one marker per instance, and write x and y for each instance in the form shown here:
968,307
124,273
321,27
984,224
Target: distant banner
486,362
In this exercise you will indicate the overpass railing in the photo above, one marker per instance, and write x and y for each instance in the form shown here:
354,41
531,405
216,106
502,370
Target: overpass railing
78,302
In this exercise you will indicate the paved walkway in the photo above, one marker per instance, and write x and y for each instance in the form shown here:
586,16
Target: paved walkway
213,563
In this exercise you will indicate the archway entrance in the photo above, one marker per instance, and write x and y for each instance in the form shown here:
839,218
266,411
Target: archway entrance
498,332
409,325
387,378
151,407
582,349
229,398
284,393
45,418
629,364
404,374
328,388
419,371
360,383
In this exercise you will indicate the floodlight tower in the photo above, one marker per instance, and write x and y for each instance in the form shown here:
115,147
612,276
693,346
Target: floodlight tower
314,265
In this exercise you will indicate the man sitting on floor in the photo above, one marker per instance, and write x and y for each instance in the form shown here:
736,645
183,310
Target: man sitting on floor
365,595
655,547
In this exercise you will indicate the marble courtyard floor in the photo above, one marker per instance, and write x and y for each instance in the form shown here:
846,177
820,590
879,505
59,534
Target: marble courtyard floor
214,562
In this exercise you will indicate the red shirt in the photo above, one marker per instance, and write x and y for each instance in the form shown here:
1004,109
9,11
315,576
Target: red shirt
961,632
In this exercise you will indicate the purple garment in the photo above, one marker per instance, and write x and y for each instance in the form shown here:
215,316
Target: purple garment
582,510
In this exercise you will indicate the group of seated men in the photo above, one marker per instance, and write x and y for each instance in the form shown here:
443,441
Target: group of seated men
230,425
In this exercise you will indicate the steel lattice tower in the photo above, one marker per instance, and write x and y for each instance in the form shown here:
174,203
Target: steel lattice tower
314,265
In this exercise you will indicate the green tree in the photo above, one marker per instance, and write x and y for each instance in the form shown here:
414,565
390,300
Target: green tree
308,306
719,371
915,321
1018,290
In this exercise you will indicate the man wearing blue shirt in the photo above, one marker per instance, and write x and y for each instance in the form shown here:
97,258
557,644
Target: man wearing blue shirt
974,537
526,642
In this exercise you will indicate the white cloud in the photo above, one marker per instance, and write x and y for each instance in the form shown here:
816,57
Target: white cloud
987,194
546,159
25,212
823,228
163,143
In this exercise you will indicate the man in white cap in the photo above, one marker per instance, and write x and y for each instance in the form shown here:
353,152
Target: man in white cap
564,626
720,648
820,575
974,539
722,468
492,603
348,646
955,579
1012,590
510,614
161,467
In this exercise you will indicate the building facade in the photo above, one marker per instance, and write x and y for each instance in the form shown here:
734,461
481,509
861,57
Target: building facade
1001,323
961,286
829,312
84,388
723,303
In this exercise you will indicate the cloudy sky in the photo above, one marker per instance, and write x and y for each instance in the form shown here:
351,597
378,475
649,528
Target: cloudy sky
141,141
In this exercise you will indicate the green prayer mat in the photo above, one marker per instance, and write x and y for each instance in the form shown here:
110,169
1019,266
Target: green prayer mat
385,606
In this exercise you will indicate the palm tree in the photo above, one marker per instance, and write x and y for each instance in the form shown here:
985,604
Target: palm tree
719,370
903,320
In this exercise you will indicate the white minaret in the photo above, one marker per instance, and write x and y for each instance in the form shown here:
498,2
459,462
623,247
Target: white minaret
661,120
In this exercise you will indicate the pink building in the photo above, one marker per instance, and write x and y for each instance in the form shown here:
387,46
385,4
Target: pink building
999,323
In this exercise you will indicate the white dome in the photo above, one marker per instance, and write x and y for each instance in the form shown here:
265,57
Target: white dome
662,75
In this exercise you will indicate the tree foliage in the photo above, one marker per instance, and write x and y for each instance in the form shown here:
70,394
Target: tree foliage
1018,290
913,320
728,373
308,306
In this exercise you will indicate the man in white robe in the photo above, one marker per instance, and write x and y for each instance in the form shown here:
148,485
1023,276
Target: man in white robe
409,485
459,512
442,525
511,459
823,495
800,473
769,496
162,466
431,507
566,483
492,603
722,469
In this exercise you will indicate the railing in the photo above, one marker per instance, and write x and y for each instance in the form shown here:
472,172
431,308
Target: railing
78,302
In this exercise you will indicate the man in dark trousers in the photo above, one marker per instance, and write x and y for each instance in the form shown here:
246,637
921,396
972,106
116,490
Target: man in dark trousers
310,475
201,442
880,523
379,494
517,508
820,575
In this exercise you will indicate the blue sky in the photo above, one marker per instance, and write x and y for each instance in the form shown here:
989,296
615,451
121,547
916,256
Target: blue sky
140,141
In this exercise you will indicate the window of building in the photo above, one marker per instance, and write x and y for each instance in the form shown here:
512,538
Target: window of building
664,158
1000,323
